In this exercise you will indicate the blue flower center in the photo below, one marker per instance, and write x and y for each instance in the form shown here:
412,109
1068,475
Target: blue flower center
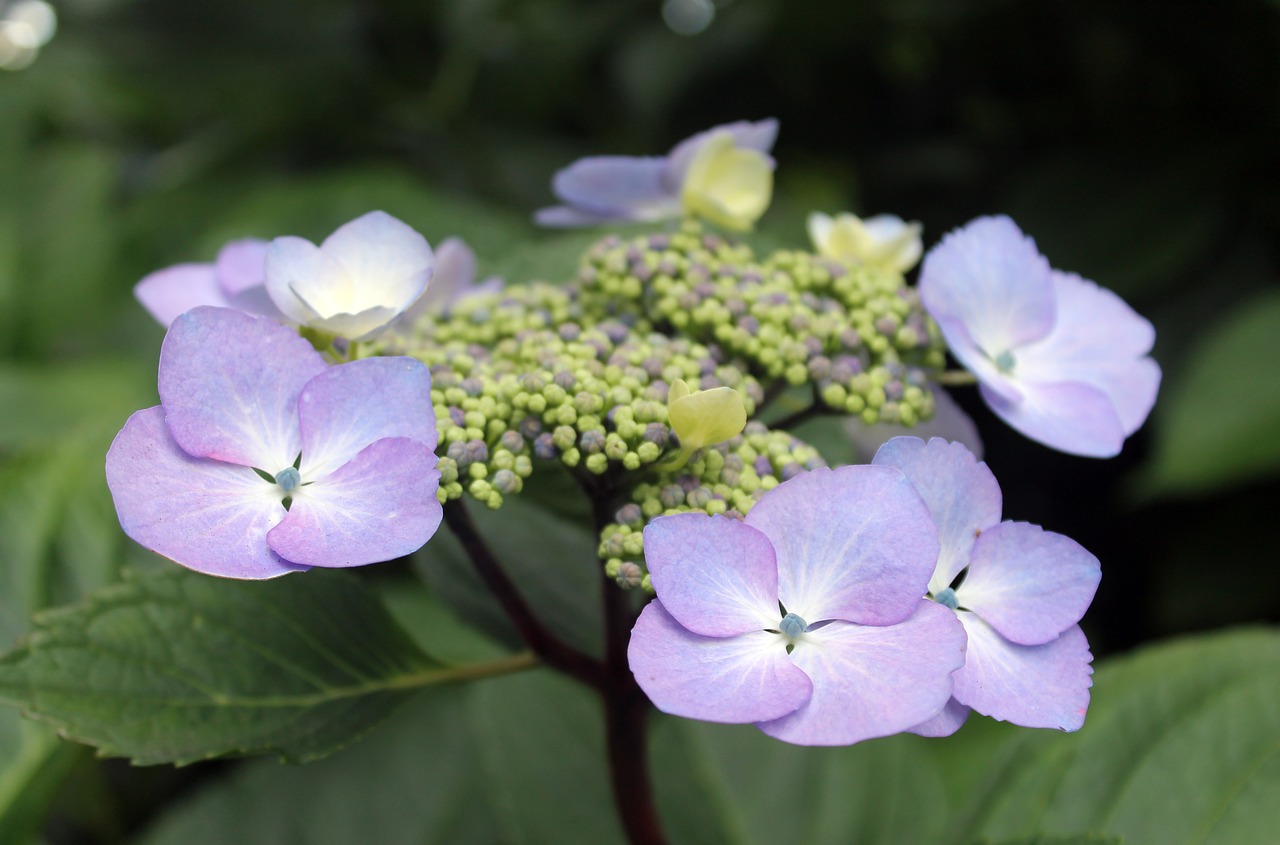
1005,362
289,478
947,598
792,626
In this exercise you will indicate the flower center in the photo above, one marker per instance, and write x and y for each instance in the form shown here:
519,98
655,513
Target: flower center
288,478
792,626
1005,362
947,598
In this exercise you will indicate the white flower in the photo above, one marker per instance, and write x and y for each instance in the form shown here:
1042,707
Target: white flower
884,242
361,278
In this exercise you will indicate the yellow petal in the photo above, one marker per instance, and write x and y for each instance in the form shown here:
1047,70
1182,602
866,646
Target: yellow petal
883,242
728,185
706,417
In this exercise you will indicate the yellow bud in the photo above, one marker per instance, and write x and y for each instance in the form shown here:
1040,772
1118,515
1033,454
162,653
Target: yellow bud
730,186
883,242
704,417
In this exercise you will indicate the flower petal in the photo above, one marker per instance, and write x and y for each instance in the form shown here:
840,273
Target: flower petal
1101,341
229,383
1027,583
617,187
989,278
945,723
746,134
871,681
207,515
452,278
169,292
305,283
854,543
747,678
388,262
1040,686
1072,417
346,408
728,185
961,493
715,575
380,506
242,265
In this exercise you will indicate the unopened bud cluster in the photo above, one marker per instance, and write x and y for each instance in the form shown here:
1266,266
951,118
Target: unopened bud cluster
519,377
726,479
858,335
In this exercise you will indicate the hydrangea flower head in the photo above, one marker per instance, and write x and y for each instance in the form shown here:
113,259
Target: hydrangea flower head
805,618
1060,359
364,275
261,460
883,242
724,174
234,280
1022,594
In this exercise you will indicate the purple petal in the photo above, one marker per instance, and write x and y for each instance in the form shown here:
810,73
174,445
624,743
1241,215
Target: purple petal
207,515
618,187
758,135
871,681
229,383
379,506
1041,686
854,543
742,679
945,723
1071,417
169,292
346,408
961,493
564,217
1100,341
988,278
380,253
1027,583
455,271
716,576
242,265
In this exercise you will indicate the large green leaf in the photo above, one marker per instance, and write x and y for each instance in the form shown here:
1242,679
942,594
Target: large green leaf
177,667
542,744
416,779
1218,422
1181,746
764,791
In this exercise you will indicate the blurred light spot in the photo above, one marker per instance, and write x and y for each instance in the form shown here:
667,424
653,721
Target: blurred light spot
25,27
688,17
36,14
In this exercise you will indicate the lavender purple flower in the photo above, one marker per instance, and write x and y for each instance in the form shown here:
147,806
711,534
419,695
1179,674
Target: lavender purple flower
1022,593
806,618
1060,359
261,460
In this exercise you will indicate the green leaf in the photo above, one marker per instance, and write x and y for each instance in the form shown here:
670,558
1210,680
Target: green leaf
415,779
542,745
1085,839
179,666
1180,747
1217,422
764,791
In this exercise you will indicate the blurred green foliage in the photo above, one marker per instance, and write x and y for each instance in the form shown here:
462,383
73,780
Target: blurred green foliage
1138,142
